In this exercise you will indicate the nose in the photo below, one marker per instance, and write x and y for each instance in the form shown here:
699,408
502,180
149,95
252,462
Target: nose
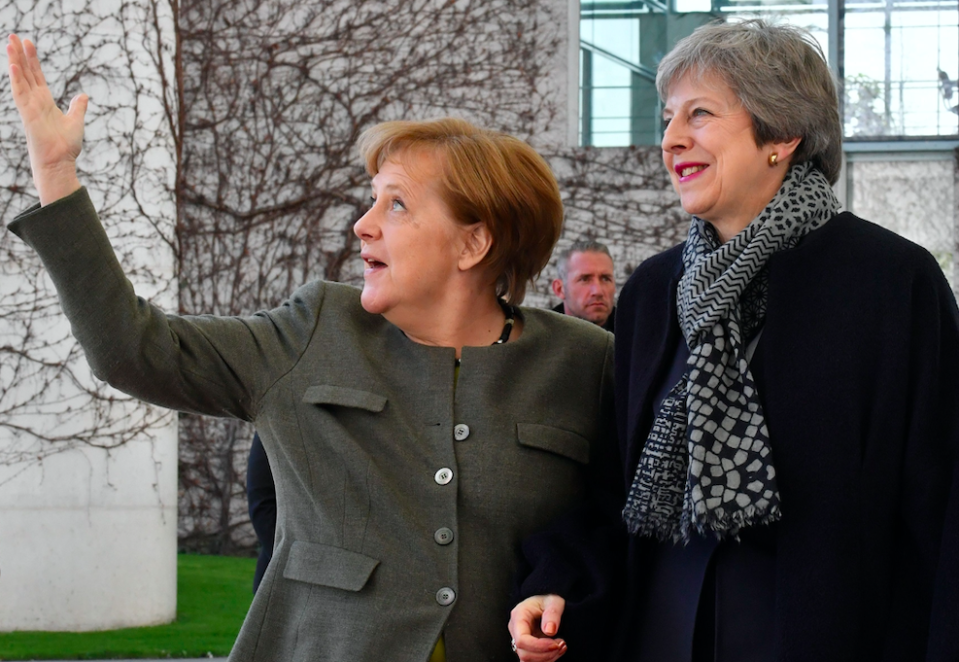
367,228
675,136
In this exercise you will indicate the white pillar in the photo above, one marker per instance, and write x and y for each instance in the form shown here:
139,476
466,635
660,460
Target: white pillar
88,478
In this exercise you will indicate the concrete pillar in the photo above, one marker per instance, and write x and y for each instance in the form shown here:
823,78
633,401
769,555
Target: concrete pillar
88,477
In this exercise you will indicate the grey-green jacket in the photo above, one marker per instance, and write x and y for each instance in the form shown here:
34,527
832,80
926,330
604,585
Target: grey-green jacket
401,502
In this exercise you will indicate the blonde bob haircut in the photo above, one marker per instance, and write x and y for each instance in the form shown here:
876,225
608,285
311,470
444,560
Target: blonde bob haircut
485,177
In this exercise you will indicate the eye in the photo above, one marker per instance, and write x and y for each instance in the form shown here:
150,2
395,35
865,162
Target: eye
397,205
700,112
666,121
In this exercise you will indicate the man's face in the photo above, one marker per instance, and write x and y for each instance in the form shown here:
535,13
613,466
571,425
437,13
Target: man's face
589,288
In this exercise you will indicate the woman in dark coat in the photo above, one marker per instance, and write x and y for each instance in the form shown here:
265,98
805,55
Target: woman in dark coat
417,430
787,393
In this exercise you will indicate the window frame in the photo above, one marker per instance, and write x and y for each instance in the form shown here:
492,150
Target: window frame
581,133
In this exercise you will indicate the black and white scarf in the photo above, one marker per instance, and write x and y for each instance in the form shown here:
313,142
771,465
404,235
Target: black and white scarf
706,465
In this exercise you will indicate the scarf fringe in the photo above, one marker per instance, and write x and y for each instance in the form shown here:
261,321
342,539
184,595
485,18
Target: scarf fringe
718,527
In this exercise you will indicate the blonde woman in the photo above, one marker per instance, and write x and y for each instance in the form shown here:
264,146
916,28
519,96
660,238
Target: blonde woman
417,430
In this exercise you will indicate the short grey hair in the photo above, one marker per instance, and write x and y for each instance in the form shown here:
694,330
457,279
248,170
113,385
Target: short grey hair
780,75
581,246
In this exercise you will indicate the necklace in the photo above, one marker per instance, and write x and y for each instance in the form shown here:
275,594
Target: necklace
510,313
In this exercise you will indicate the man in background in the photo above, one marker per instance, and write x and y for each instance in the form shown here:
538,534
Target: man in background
586,283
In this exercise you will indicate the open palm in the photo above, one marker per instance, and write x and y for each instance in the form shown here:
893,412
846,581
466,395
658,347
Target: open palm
54,139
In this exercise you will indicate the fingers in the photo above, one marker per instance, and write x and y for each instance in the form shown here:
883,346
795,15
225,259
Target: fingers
528,623
21,78
23,54
15,60
524,616
33,63
18,57
553,607
78,108
539,649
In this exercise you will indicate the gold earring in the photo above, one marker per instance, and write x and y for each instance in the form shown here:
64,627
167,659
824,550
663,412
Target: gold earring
773,160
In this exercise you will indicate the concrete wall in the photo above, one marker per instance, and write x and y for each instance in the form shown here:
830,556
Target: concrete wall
912,194
88,478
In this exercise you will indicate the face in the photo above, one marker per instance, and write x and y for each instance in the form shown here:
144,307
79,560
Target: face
410,243
710,151
590,286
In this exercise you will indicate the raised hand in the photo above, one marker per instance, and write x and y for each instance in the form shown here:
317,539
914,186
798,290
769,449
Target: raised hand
54,139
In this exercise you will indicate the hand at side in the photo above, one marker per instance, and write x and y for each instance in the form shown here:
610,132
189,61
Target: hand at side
533,625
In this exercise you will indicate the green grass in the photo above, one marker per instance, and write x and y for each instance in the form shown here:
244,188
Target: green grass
213,596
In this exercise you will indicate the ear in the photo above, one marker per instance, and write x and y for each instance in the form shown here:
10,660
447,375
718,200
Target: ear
785,150
476,246
558,289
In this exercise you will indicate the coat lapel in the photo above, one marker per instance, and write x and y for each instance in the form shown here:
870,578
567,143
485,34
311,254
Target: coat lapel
655,335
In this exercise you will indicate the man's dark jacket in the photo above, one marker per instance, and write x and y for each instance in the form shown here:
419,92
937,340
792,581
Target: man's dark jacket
261,501
858,371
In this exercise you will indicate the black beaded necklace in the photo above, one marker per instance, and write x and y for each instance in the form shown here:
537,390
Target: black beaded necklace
510,313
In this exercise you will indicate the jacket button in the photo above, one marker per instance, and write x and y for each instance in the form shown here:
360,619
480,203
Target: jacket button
443,476
461,432
445,596
443,536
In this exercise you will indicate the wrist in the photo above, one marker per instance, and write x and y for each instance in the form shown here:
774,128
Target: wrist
55,181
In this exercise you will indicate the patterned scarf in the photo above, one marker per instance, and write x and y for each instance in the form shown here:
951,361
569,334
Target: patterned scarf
706,465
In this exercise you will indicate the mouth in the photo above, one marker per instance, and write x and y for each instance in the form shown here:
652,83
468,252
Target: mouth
688,170
372,264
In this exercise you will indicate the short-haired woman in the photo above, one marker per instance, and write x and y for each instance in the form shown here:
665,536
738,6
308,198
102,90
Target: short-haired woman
417,431
787,396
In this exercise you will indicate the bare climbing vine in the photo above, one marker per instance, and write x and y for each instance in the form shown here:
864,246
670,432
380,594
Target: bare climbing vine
222,133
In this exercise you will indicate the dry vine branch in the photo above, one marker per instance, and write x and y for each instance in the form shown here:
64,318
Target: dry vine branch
275,96
247,116
49,401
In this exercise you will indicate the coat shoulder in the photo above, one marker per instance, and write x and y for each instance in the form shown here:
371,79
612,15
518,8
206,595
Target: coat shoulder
568,331
867,247
654,274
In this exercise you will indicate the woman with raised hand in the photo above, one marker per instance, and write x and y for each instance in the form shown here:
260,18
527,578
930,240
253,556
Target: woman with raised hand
787,400
417,430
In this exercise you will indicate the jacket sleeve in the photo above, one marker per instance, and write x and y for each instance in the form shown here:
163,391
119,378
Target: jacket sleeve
581,557
219,366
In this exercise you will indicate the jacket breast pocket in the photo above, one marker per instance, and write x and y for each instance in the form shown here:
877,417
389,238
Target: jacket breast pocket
555,440
341,396
326,565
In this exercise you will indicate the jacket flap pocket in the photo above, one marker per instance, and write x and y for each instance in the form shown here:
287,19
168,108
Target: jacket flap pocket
555,440
326,394
328,566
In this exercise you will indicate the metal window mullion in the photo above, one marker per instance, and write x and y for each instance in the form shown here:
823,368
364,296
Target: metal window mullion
586,98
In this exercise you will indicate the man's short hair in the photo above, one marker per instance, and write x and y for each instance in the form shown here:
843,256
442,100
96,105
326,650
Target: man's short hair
581,246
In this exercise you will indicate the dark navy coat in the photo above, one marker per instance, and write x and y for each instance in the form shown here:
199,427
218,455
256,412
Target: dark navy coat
858,371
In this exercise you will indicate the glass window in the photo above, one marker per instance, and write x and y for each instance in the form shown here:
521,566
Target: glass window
899,68
901,63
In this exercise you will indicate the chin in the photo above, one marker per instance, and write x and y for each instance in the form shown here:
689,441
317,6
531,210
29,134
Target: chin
371,303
